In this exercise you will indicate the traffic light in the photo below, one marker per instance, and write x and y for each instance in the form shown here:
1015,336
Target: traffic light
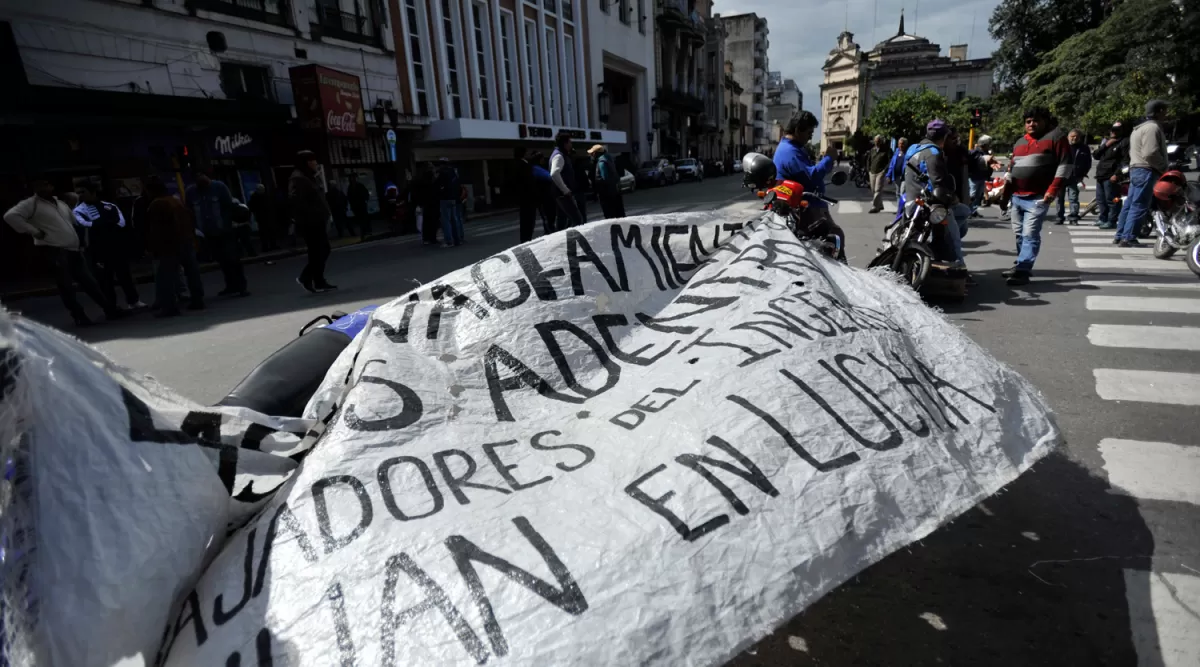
976,117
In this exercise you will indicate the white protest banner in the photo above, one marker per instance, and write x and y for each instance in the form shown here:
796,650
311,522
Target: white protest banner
116,493
641,441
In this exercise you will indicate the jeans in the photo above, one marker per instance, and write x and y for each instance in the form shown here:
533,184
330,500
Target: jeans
568,209
528,214
1071,193
316,241
1027,214
1137,204
166,278
977,188
1107,211
452,223
223,249
877,181
112,269
70,268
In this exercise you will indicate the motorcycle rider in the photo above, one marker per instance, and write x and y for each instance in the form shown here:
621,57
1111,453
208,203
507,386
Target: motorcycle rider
1147,161
792,163
927,175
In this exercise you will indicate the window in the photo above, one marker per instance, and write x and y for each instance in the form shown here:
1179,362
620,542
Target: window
482,48
568,10
246,82
641,10
532,69
451,61
417,55
572,116
346,19
623,11
509,47
960,92
941,91
268,11
552,68
605,5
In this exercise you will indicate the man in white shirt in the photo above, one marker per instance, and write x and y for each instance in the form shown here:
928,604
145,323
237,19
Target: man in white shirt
49,221
562,173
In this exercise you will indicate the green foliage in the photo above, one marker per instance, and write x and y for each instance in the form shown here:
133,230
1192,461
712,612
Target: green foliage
904,113
1028,29
1106,74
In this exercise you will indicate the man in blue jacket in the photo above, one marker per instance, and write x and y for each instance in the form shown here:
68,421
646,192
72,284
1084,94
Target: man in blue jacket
895,172
792,163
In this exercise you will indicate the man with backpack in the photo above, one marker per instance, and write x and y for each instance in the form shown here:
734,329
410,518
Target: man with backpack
927,175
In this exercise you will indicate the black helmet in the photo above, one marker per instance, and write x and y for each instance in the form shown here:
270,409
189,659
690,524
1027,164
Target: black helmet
801,120
758,170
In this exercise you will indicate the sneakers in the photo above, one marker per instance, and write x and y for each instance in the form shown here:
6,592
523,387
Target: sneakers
324,287
307,286
1131,244
875,209
140,305
447,245
1116,241
1018,278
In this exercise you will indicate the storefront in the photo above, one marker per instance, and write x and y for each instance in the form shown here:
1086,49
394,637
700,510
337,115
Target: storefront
482,152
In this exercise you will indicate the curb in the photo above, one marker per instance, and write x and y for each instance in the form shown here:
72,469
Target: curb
274,255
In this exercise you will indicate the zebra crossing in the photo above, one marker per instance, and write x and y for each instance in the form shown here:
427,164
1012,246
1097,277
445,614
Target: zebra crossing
1164,606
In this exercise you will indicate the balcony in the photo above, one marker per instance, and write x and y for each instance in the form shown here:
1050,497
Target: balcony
676,17
277,12
758,108
680,99
344,25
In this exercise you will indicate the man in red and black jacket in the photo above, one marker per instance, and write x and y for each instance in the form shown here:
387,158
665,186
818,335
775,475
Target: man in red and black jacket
1041,166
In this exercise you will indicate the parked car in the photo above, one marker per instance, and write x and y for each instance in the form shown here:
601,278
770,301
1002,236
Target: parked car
713,168
628,182
657,172
737,167
689,168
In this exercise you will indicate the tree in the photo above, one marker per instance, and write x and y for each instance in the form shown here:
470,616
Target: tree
1027,29
904,113
1108,73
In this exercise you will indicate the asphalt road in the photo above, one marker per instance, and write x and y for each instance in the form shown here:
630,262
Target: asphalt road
1092,558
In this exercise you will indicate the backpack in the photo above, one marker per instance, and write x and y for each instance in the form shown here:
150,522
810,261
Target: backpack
914,161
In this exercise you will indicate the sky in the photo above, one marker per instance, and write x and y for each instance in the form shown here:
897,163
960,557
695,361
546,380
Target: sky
804,31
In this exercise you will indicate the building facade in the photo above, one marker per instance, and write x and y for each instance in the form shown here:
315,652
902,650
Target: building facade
679,103
854,78
746,46
783,100
715,119
110,91
496,74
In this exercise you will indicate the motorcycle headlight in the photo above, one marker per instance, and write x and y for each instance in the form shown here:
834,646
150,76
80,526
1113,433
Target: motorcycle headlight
937,215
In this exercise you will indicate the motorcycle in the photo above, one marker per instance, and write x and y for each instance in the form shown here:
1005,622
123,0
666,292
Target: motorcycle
789,200
994,193
1176,217
859,174
906,247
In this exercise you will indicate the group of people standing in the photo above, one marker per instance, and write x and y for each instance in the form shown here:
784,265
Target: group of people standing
560,193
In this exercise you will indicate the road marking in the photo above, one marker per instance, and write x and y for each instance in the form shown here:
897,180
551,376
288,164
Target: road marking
1141,265
1153,470
1114,250
850,207
1164,617
1193,285
1114,384
1092,241
1144,304
1146,338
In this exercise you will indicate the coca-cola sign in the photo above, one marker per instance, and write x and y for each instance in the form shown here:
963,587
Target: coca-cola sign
343,123
328,100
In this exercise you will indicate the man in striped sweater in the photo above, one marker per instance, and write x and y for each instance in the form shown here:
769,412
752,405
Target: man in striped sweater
1041,165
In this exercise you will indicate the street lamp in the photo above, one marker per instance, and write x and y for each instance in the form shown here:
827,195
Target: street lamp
602,103
382,109
655,113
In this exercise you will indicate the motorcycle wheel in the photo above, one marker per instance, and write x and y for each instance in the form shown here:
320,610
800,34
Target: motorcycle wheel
1162,248
1193,257
913,268
1091,208
1146,229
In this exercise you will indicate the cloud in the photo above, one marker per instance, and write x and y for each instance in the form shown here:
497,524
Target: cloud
804,31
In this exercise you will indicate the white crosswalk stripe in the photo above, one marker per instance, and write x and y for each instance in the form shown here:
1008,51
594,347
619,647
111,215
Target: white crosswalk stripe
1117,384
1144,304
1148,265
1163,607
1153,470
1145,337
848,207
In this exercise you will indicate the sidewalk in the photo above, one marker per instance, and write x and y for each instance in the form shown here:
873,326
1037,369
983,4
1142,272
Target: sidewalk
145,274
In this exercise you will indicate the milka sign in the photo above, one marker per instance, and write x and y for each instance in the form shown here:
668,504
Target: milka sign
231,143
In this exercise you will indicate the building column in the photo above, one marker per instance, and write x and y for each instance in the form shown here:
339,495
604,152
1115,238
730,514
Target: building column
498,58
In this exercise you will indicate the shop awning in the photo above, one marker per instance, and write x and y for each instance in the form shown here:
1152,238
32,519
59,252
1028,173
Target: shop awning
462,131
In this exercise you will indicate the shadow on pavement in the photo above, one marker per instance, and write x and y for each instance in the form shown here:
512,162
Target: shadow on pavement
1031,576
